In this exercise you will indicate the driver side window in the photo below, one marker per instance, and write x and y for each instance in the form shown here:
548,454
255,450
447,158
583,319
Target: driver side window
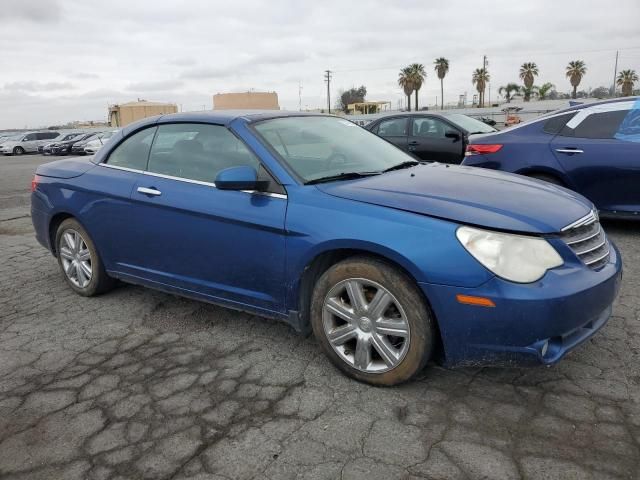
197,151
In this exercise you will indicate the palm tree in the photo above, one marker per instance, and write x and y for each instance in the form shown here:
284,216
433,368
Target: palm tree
509,91
528,71
405,80
418,76
575,71
480,78
626,79
442,68
544,90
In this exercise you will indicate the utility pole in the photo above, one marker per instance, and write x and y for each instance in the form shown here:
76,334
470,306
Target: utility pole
615,73
300,96
327,78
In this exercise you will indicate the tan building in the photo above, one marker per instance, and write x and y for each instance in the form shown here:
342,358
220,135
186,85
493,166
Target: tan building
246,101
126,113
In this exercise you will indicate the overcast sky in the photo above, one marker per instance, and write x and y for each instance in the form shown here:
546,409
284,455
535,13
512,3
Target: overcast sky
64,60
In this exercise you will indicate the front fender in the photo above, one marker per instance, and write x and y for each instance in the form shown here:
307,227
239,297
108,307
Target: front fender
426,247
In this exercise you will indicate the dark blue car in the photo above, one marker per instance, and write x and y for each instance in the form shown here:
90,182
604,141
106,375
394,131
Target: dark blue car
593,149
315,221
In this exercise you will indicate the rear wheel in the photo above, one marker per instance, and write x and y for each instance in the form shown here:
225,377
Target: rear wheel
372,321
18,151
79,260
547,178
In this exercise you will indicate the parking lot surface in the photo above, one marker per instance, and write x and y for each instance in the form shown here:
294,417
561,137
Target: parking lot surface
141,384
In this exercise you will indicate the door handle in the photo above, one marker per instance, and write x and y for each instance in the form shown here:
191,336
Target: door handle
569,150
413,142
154,192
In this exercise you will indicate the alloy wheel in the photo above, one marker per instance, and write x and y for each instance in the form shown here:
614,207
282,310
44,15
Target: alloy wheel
76,258
366,325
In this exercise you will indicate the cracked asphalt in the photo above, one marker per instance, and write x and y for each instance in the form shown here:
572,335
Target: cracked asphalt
141,384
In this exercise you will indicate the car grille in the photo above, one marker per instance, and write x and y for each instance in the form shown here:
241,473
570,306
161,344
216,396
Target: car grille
588,241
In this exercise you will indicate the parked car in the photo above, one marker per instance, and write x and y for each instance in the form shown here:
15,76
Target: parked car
488,120
92,147
439,137
78,147
64,148
313,220
27,143
46,149
9,137
593,149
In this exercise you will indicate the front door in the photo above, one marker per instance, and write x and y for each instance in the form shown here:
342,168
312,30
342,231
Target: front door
429,141
601,160
185,233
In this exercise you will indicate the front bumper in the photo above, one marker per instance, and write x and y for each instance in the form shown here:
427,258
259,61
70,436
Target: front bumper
537,323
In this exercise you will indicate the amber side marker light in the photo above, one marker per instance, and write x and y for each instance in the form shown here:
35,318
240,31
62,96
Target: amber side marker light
477,301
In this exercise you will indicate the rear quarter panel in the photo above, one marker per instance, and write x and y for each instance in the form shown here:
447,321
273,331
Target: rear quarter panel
98,199
525,150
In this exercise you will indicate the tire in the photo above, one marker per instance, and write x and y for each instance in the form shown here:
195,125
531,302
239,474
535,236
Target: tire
547,178
406,314
18,151
70,259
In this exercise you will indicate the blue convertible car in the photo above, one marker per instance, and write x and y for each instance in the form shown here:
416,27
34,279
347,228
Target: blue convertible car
592,148
315,221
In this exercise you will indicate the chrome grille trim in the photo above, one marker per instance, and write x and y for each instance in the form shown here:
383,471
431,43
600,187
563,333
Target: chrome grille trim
602,257
584,239
591,249
588,241
588,218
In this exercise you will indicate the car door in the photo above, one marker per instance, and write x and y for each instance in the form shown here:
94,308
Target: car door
601,161
30,142
226,245
394,130
432,140
108,215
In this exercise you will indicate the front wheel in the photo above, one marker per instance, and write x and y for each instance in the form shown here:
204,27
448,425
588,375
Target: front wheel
18,151
79,260
372,321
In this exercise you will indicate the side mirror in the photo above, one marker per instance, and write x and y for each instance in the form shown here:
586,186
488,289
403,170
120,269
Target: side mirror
238,178
452,134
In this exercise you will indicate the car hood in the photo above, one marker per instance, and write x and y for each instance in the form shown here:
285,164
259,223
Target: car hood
469,195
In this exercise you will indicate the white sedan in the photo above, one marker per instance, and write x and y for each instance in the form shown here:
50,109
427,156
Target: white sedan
94,145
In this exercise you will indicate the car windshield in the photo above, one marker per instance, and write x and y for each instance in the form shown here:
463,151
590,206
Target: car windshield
106,135
70,136
471,125
324,147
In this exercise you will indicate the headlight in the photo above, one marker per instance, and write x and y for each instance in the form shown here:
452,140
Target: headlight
517,258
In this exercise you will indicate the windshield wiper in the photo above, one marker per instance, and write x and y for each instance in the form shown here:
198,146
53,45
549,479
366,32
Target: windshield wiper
341,176
400,166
